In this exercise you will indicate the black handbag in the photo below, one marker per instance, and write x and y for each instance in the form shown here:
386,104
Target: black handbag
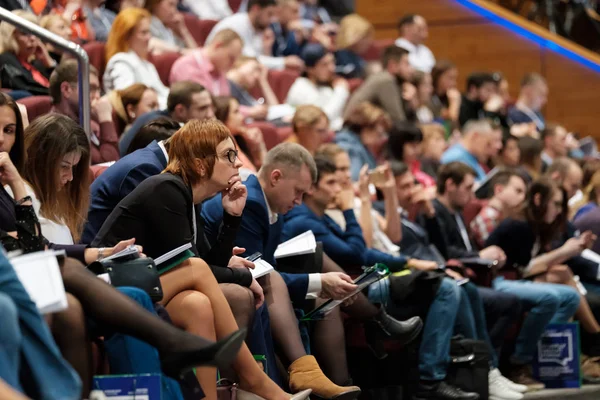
470,366
136,272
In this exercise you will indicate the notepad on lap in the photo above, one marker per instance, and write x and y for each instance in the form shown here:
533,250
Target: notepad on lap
305,243
261,268
40,275
173,257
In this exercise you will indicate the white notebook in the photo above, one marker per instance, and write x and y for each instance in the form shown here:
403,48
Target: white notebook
40,275
172,254
261,268
305,243
127,251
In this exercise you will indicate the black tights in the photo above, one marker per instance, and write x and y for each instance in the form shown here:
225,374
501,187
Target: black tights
70,334
284,324
117,312
241,302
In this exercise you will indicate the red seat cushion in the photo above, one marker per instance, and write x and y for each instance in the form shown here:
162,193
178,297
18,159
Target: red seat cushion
280,81
96,53
199,29
36,106
235,5
163,63
472,209
375,51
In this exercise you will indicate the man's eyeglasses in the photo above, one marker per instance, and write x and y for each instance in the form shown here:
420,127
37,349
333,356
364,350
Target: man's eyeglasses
231,155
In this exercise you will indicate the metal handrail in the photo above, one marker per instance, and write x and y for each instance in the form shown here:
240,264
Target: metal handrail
70,47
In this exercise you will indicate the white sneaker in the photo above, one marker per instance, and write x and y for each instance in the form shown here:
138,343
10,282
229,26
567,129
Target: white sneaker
499,390
515,387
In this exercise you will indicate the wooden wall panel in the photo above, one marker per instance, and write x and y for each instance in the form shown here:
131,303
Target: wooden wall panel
474,43
387,12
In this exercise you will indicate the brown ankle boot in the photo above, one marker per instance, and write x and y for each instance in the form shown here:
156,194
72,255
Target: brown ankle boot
305,373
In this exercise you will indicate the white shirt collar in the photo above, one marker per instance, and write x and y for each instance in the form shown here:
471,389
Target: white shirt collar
161,144
273,217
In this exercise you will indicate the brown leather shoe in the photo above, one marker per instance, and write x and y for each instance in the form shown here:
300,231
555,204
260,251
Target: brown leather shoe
305,373
523,375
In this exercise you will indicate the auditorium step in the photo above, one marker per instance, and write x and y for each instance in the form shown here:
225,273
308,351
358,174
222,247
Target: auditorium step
587,392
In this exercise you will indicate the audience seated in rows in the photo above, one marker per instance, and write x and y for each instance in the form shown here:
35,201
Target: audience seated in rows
381,188
138,214
286,175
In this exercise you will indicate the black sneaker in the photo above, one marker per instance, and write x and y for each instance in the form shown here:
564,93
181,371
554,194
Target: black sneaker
442,391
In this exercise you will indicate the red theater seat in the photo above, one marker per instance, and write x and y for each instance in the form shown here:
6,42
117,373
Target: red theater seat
280,81
36,106
235,5
96,53
199,29
163,63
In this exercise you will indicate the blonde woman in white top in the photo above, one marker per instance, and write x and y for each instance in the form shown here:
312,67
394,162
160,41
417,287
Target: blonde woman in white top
127,51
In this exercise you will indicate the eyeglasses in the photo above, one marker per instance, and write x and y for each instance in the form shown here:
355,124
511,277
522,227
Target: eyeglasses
231,155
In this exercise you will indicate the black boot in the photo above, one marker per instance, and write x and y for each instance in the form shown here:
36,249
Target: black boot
402,331
383,326
442,391
590,344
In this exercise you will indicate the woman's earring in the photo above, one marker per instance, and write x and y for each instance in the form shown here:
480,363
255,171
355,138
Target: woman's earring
132,115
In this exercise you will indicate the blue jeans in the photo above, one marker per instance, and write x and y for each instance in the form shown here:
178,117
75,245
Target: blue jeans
501,311
434,352
10,342
545,303
128,355
470,319
51,376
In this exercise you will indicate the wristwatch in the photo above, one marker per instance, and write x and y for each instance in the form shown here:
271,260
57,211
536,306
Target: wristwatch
23,200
